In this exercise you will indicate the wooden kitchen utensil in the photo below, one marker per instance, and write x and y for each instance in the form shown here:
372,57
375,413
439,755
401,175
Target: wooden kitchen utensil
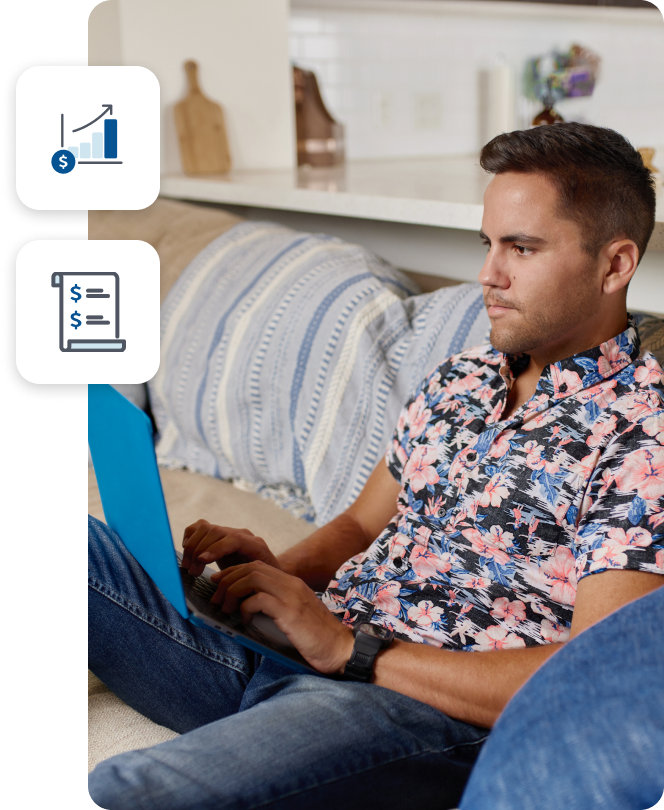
320,139
201,130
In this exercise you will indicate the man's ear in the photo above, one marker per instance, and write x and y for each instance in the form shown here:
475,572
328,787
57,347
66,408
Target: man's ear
619,260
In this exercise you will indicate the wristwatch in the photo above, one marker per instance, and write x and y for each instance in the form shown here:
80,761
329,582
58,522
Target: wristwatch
370,639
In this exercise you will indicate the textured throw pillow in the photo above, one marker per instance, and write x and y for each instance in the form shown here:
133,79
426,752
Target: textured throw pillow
286,358
651,332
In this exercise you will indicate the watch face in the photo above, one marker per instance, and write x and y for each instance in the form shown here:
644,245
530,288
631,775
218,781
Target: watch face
376,631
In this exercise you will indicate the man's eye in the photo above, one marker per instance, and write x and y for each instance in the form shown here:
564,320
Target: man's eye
522,251
486,243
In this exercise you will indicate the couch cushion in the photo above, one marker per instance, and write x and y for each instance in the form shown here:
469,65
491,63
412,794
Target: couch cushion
286,358
651,332
114,727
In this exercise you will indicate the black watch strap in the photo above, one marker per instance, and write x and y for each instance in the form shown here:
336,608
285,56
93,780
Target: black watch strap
361,662
360,666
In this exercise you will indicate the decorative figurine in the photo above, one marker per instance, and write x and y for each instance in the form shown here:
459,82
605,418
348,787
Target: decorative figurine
554,76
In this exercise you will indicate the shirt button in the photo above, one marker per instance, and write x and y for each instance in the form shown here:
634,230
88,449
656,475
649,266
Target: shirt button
398,562
441,512
562,388
472,456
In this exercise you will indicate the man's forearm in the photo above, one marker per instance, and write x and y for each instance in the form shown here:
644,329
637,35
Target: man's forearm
316,558
470,686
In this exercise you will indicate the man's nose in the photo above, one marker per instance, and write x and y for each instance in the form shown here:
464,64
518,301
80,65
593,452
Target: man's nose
493,274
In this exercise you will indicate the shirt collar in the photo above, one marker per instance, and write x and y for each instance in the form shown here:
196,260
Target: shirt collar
573,374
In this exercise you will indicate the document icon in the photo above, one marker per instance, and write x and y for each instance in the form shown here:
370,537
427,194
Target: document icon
89,312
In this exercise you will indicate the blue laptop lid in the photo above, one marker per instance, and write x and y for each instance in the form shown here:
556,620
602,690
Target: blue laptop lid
122,447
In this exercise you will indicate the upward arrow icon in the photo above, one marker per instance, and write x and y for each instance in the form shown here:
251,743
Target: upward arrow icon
108,108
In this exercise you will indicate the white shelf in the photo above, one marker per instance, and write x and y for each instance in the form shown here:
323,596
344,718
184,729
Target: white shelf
442,192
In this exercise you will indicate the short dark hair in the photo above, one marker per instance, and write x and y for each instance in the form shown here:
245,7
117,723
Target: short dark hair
603,184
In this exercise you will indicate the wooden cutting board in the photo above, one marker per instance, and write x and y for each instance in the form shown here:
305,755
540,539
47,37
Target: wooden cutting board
201,130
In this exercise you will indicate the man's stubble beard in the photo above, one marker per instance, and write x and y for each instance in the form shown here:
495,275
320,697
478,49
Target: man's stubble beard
545,325
526,337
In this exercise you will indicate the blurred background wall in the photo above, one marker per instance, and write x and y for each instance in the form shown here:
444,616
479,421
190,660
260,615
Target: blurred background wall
406,76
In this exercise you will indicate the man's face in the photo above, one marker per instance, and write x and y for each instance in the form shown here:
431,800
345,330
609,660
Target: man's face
540,287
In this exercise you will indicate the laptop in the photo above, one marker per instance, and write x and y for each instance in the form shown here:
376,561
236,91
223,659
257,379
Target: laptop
121,441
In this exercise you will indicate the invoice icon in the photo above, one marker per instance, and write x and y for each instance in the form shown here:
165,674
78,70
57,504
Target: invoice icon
89,302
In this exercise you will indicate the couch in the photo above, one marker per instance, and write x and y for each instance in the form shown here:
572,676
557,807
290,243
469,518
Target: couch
354,333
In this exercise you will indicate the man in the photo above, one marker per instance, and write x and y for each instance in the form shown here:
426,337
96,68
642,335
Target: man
527,480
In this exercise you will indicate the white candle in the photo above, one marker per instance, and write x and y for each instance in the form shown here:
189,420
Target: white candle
501,100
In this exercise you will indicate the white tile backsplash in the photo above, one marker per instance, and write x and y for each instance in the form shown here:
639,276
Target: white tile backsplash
409,84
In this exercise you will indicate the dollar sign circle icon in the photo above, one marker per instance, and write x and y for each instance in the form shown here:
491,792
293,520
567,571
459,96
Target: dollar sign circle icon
76,318
63,161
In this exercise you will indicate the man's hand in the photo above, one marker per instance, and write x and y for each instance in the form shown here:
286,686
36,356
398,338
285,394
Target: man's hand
320,638
205,543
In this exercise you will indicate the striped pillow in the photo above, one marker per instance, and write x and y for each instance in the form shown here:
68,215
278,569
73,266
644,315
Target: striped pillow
286,358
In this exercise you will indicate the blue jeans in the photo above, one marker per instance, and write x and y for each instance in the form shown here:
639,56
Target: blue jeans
254,732
587,730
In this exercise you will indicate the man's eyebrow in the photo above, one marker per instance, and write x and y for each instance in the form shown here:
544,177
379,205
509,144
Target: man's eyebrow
521,238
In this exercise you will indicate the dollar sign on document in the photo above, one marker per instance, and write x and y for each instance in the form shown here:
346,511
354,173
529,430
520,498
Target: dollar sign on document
77,296
75,316
63,161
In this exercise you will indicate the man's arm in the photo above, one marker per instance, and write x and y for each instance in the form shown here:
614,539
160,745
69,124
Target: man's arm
476,686
316,558
471,686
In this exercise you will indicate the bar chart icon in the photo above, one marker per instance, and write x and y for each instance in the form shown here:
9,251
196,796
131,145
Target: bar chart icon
100,148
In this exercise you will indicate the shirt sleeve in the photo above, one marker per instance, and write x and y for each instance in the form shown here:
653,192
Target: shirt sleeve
623,509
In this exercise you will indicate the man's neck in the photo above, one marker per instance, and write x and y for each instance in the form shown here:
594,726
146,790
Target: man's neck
525,383
522,388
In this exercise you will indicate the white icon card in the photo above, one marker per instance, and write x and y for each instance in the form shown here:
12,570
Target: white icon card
87,311
87,138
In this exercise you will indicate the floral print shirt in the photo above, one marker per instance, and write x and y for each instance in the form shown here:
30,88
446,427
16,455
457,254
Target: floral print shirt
499,519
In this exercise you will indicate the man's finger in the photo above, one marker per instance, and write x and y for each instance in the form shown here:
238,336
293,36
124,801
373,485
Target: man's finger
191,530
227,541
212,548
248,579
262,603
252,548
225,579
192,542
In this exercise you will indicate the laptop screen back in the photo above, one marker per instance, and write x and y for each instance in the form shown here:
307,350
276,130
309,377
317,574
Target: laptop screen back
122,447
